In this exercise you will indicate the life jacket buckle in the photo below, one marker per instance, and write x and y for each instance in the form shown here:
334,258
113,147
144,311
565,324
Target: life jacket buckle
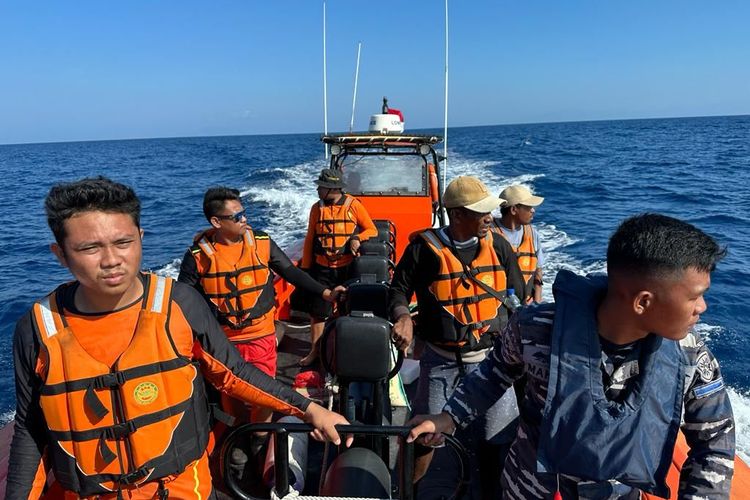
119,431
473,299
109,380
133,477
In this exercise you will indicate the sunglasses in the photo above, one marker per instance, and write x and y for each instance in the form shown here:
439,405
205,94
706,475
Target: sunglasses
234,217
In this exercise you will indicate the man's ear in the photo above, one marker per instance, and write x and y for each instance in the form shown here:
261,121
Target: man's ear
642,301
215,222
142,233
59,253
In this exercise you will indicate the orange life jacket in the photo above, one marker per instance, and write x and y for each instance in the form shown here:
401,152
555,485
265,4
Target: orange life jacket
243,293
526,252
467,311
334,229
142,420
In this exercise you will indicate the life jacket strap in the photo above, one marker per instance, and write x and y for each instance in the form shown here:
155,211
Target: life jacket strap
93,402
162,492
107,455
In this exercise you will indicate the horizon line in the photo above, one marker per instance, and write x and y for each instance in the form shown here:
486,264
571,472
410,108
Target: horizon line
416,129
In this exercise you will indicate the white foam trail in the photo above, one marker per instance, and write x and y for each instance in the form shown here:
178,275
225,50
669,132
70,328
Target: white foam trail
483,170
171,270
741,408
289,199
6,417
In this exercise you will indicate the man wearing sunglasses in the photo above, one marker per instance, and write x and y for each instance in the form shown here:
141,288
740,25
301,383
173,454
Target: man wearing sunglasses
233,267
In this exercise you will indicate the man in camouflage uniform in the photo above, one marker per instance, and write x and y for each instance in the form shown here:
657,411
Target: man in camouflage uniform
613,368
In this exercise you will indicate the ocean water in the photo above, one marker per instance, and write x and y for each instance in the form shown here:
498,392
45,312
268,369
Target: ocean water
592,175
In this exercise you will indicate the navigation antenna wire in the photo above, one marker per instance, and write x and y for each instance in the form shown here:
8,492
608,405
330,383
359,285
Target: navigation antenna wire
445,118
356,79
325,81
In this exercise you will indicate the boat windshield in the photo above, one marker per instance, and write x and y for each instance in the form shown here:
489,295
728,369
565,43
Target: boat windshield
384,175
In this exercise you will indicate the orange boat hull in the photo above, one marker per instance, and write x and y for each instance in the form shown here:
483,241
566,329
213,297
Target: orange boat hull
740,483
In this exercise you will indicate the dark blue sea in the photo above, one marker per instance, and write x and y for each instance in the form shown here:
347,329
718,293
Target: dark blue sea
592,175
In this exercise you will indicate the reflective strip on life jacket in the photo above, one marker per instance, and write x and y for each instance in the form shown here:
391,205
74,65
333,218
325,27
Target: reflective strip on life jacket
242,292
143,419
334,229
456,290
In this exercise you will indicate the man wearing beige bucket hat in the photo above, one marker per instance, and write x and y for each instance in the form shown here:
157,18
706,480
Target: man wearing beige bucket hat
517,210
461,275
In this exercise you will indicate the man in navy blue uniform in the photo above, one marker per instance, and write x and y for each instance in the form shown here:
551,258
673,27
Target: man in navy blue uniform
614,370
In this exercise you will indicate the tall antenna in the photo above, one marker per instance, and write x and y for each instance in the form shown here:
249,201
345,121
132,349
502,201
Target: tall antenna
445,127
325,80
356,79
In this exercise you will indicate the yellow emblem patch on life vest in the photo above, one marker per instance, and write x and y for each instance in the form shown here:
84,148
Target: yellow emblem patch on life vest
524,262
246,279
488,280
145,393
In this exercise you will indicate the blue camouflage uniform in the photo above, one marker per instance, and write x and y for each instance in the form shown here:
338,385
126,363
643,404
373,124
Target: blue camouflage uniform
524,347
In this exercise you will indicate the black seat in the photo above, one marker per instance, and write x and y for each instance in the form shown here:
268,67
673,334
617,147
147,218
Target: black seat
375,247
371,265
367,294
359,349
386,231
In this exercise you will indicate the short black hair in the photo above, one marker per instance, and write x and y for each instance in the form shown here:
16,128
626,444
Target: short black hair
505,210
86,195
214,199
654,245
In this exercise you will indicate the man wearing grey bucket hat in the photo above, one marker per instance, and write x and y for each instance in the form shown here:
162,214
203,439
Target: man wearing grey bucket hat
517,211
461,275
337,225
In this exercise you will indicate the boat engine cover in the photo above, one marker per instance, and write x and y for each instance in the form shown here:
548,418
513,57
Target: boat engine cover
360,349
358,472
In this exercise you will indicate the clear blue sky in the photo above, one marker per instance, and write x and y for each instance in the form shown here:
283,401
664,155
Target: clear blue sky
86,70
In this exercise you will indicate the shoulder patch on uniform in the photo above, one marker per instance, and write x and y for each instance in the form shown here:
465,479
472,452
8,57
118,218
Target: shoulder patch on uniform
702,391
705,367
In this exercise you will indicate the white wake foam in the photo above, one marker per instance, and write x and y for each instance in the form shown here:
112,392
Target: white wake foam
6,417
288,199
741,408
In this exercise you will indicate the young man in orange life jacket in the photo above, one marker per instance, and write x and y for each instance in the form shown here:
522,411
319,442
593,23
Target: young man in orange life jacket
338,224
517,212
233,266
110,367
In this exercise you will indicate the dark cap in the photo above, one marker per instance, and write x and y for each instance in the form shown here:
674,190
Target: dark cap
331,179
